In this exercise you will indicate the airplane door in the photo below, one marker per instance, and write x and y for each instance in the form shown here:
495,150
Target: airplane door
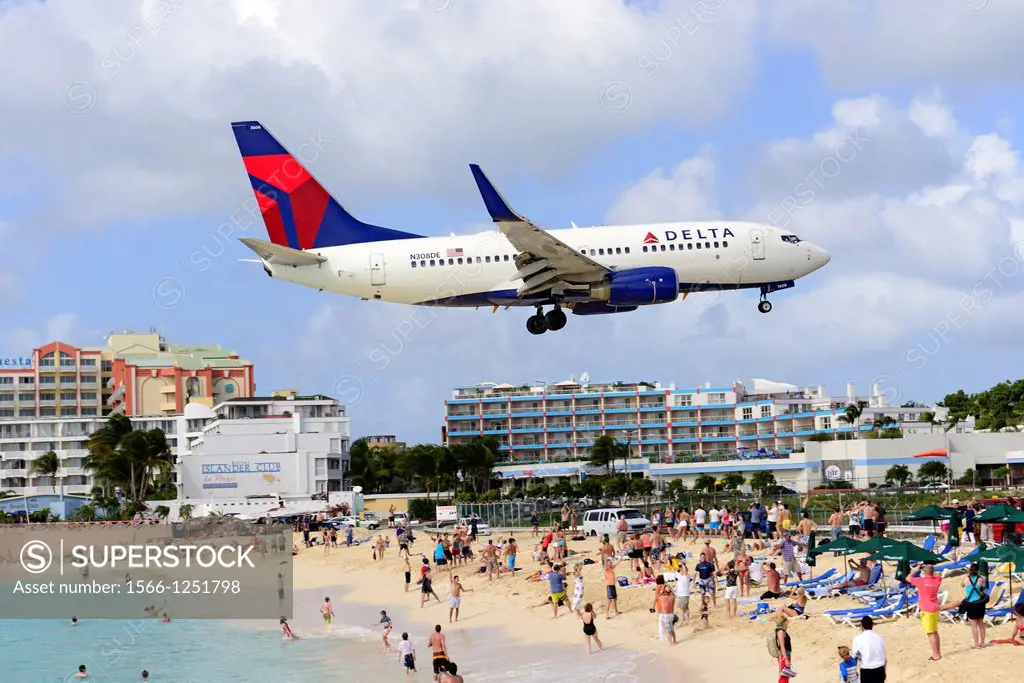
377,270
757,244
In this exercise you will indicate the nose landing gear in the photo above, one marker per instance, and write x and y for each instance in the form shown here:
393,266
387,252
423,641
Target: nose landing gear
539,323
764,305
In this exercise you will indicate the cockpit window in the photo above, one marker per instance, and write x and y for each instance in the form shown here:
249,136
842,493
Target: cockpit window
792,239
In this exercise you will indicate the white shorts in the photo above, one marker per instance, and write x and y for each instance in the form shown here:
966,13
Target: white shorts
730,592
455,602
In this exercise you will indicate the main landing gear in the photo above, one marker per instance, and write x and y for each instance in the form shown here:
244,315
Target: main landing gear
539,323
764,305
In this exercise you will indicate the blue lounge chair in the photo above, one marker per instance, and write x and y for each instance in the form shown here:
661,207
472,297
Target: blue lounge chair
813,582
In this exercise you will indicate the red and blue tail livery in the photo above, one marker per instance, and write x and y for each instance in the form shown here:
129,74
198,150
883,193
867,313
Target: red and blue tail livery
297,211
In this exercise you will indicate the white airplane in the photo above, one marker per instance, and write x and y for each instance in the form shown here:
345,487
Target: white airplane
589,271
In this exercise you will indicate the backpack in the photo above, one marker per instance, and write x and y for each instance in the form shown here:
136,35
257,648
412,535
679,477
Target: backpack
773,644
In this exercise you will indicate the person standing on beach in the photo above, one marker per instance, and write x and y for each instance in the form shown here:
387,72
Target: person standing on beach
535,523
456,599
509,551
587,616
327,611
610,586
407,654
683,582
426,586
408,573
665,607
577,592
706,578
869,652
490,557
556,581
928,585
835,523
621,531
439,650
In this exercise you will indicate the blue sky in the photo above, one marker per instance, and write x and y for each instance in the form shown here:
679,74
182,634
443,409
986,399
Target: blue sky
116,179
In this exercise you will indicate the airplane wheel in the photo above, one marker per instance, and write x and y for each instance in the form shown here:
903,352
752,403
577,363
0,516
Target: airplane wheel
536,324
555,319
765,306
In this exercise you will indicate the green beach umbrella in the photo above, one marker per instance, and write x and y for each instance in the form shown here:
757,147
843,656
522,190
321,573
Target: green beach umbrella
877,543
811,559
844,545
954,530
1000,554
931,512
1001,512
902,571
905,552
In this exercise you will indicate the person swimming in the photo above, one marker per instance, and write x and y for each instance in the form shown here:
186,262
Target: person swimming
145,675
287,630
81,671
74,621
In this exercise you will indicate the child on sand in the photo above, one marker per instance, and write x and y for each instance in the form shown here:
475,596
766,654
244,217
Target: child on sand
848,672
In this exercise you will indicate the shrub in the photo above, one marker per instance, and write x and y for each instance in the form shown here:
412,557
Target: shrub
422,508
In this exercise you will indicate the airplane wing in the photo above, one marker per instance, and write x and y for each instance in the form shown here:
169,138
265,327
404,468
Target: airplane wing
281,255
544,261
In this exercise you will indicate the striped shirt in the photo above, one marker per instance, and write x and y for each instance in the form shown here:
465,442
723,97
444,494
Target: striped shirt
788,551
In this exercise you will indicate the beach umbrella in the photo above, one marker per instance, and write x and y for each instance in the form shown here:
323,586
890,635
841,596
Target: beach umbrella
811,543
877,543
905,552
954,530
1007,553
844,545
1000,512
902,571
930,512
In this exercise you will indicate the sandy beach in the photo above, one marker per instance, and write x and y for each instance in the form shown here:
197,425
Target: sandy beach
734,646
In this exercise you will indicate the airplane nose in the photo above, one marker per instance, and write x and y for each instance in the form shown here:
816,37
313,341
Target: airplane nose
818,257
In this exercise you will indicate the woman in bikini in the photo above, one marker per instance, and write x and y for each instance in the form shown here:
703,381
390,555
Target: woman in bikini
743,567
1017,637
589,627
636,552
796,609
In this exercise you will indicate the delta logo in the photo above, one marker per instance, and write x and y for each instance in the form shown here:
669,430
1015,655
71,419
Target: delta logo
651,238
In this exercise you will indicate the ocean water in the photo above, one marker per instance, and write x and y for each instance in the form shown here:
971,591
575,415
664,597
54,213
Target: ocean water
193,651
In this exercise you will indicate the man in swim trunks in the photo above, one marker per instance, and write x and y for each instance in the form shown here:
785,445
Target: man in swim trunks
556,581
439,648
665,607
326,611
621,531
456,599
610,586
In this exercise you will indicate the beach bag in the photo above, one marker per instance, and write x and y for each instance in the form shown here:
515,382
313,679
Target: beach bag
773,645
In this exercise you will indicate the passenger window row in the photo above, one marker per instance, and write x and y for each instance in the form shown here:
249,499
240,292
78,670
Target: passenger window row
608,251
689,246
461,261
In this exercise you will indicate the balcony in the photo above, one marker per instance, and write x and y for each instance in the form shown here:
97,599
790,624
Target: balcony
47,368
13,473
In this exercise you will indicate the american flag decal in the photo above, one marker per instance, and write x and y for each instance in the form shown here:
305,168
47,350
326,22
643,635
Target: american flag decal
452,253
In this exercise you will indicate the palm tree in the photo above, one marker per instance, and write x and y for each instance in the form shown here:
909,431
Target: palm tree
852,415
605,451
1002,473
162,512
883,422
48,465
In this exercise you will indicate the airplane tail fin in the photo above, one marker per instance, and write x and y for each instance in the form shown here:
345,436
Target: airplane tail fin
297,211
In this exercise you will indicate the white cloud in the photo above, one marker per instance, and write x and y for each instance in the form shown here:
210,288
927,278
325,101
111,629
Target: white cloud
875,43
932,117
685,191
128,109
63,327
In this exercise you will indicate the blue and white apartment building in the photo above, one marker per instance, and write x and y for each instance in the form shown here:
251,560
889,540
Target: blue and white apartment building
546,430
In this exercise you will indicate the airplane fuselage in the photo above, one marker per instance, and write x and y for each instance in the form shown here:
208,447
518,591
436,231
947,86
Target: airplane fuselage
480,269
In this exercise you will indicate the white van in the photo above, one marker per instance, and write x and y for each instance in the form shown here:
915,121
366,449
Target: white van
605,521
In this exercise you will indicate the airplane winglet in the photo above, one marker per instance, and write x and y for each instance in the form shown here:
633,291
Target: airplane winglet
496,205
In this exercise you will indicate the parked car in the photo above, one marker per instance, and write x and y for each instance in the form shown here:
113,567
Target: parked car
935,486
344,522
482,528
605,520
401,519
886,488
